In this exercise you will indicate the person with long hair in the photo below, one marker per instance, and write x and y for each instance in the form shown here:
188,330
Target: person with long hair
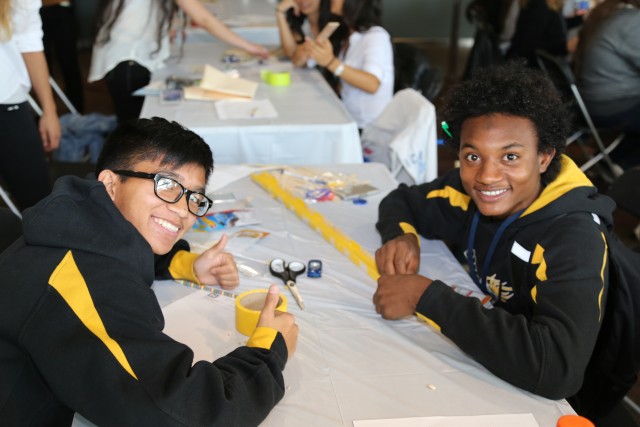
23,66
607,64
298,20
364,64
133,41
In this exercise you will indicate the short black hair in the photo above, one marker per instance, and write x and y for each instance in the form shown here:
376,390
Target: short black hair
511,89
154,139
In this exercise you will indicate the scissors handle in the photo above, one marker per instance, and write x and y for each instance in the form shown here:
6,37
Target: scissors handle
294,291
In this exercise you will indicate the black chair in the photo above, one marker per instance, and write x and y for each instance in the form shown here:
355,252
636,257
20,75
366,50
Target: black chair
559,71
413,70
626,191
8,202
10,228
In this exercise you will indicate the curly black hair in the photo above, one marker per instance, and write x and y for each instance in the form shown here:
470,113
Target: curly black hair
512,90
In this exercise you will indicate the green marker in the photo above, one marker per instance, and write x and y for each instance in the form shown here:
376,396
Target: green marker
445,128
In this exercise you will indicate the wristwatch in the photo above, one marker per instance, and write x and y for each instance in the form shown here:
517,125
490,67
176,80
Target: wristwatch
339,69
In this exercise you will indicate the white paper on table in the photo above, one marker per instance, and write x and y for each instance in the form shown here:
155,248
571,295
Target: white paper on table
212,324
224,175
218,81
256,109
505,420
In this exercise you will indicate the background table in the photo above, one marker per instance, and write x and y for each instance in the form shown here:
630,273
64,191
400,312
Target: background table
255,20
350,364
312,126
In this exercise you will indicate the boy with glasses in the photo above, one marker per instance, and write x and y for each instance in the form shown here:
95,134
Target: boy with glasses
80,328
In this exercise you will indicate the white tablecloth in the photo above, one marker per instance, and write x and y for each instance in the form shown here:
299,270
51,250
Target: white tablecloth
312,126
255,20
350,363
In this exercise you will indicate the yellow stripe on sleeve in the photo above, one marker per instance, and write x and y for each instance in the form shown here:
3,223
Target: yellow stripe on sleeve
604,264
181,266
68,281
456,198
538,258
409,229
262,337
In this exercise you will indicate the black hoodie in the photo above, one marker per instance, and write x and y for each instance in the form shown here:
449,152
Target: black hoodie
81,330
548,277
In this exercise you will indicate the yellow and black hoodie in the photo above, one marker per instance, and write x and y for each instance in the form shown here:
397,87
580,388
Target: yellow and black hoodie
81,330
548,277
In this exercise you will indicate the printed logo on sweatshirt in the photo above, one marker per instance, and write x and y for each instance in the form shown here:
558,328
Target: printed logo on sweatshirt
499,289
494,285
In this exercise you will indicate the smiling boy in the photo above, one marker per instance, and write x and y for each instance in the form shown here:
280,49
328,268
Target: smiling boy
80,327
532,228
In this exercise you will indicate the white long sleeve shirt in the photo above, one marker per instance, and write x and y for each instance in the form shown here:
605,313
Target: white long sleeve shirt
369,51
26,28
133,37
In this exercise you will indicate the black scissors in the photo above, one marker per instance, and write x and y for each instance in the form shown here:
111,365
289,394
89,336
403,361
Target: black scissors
288,274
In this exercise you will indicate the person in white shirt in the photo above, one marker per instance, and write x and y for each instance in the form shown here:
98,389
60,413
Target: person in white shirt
133,41
23,144
365,62
299,20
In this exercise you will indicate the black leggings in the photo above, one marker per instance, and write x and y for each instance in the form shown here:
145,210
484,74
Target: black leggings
23,165
60,40
124,79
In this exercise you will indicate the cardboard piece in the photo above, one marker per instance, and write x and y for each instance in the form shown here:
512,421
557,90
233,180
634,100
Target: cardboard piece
216,85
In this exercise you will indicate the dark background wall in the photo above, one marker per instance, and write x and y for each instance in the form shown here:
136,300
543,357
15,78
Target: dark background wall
426,19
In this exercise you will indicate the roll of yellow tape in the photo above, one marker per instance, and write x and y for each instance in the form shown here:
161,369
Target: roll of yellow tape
249,306
276,78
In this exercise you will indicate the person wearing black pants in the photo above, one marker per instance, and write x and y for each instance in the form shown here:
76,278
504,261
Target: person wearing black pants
122,81
23,140
60,42
133,41
23,166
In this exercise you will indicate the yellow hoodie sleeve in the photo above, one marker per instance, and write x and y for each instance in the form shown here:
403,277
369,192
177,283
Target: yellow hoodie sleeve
262,337
181,266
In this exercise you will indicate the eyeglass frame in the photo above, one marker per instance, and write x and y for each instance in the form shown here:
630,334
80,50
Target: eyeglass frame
157,176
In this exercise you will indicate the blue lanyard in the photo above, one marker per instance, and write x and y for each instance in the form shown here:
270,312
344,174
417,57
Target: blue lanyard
473,272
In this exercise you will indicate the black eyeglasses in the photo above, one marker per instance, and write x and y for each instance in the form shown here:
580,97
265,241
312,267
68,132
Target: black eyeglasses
171,191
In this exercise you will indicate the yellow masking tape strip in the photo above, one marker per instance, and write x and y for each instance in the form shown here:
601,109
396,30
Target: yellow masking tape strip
429,321
315,220
249,306
329,232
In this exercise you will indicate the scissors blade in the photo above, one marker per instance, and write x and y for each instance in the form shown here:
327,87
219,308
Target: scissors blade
294,291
